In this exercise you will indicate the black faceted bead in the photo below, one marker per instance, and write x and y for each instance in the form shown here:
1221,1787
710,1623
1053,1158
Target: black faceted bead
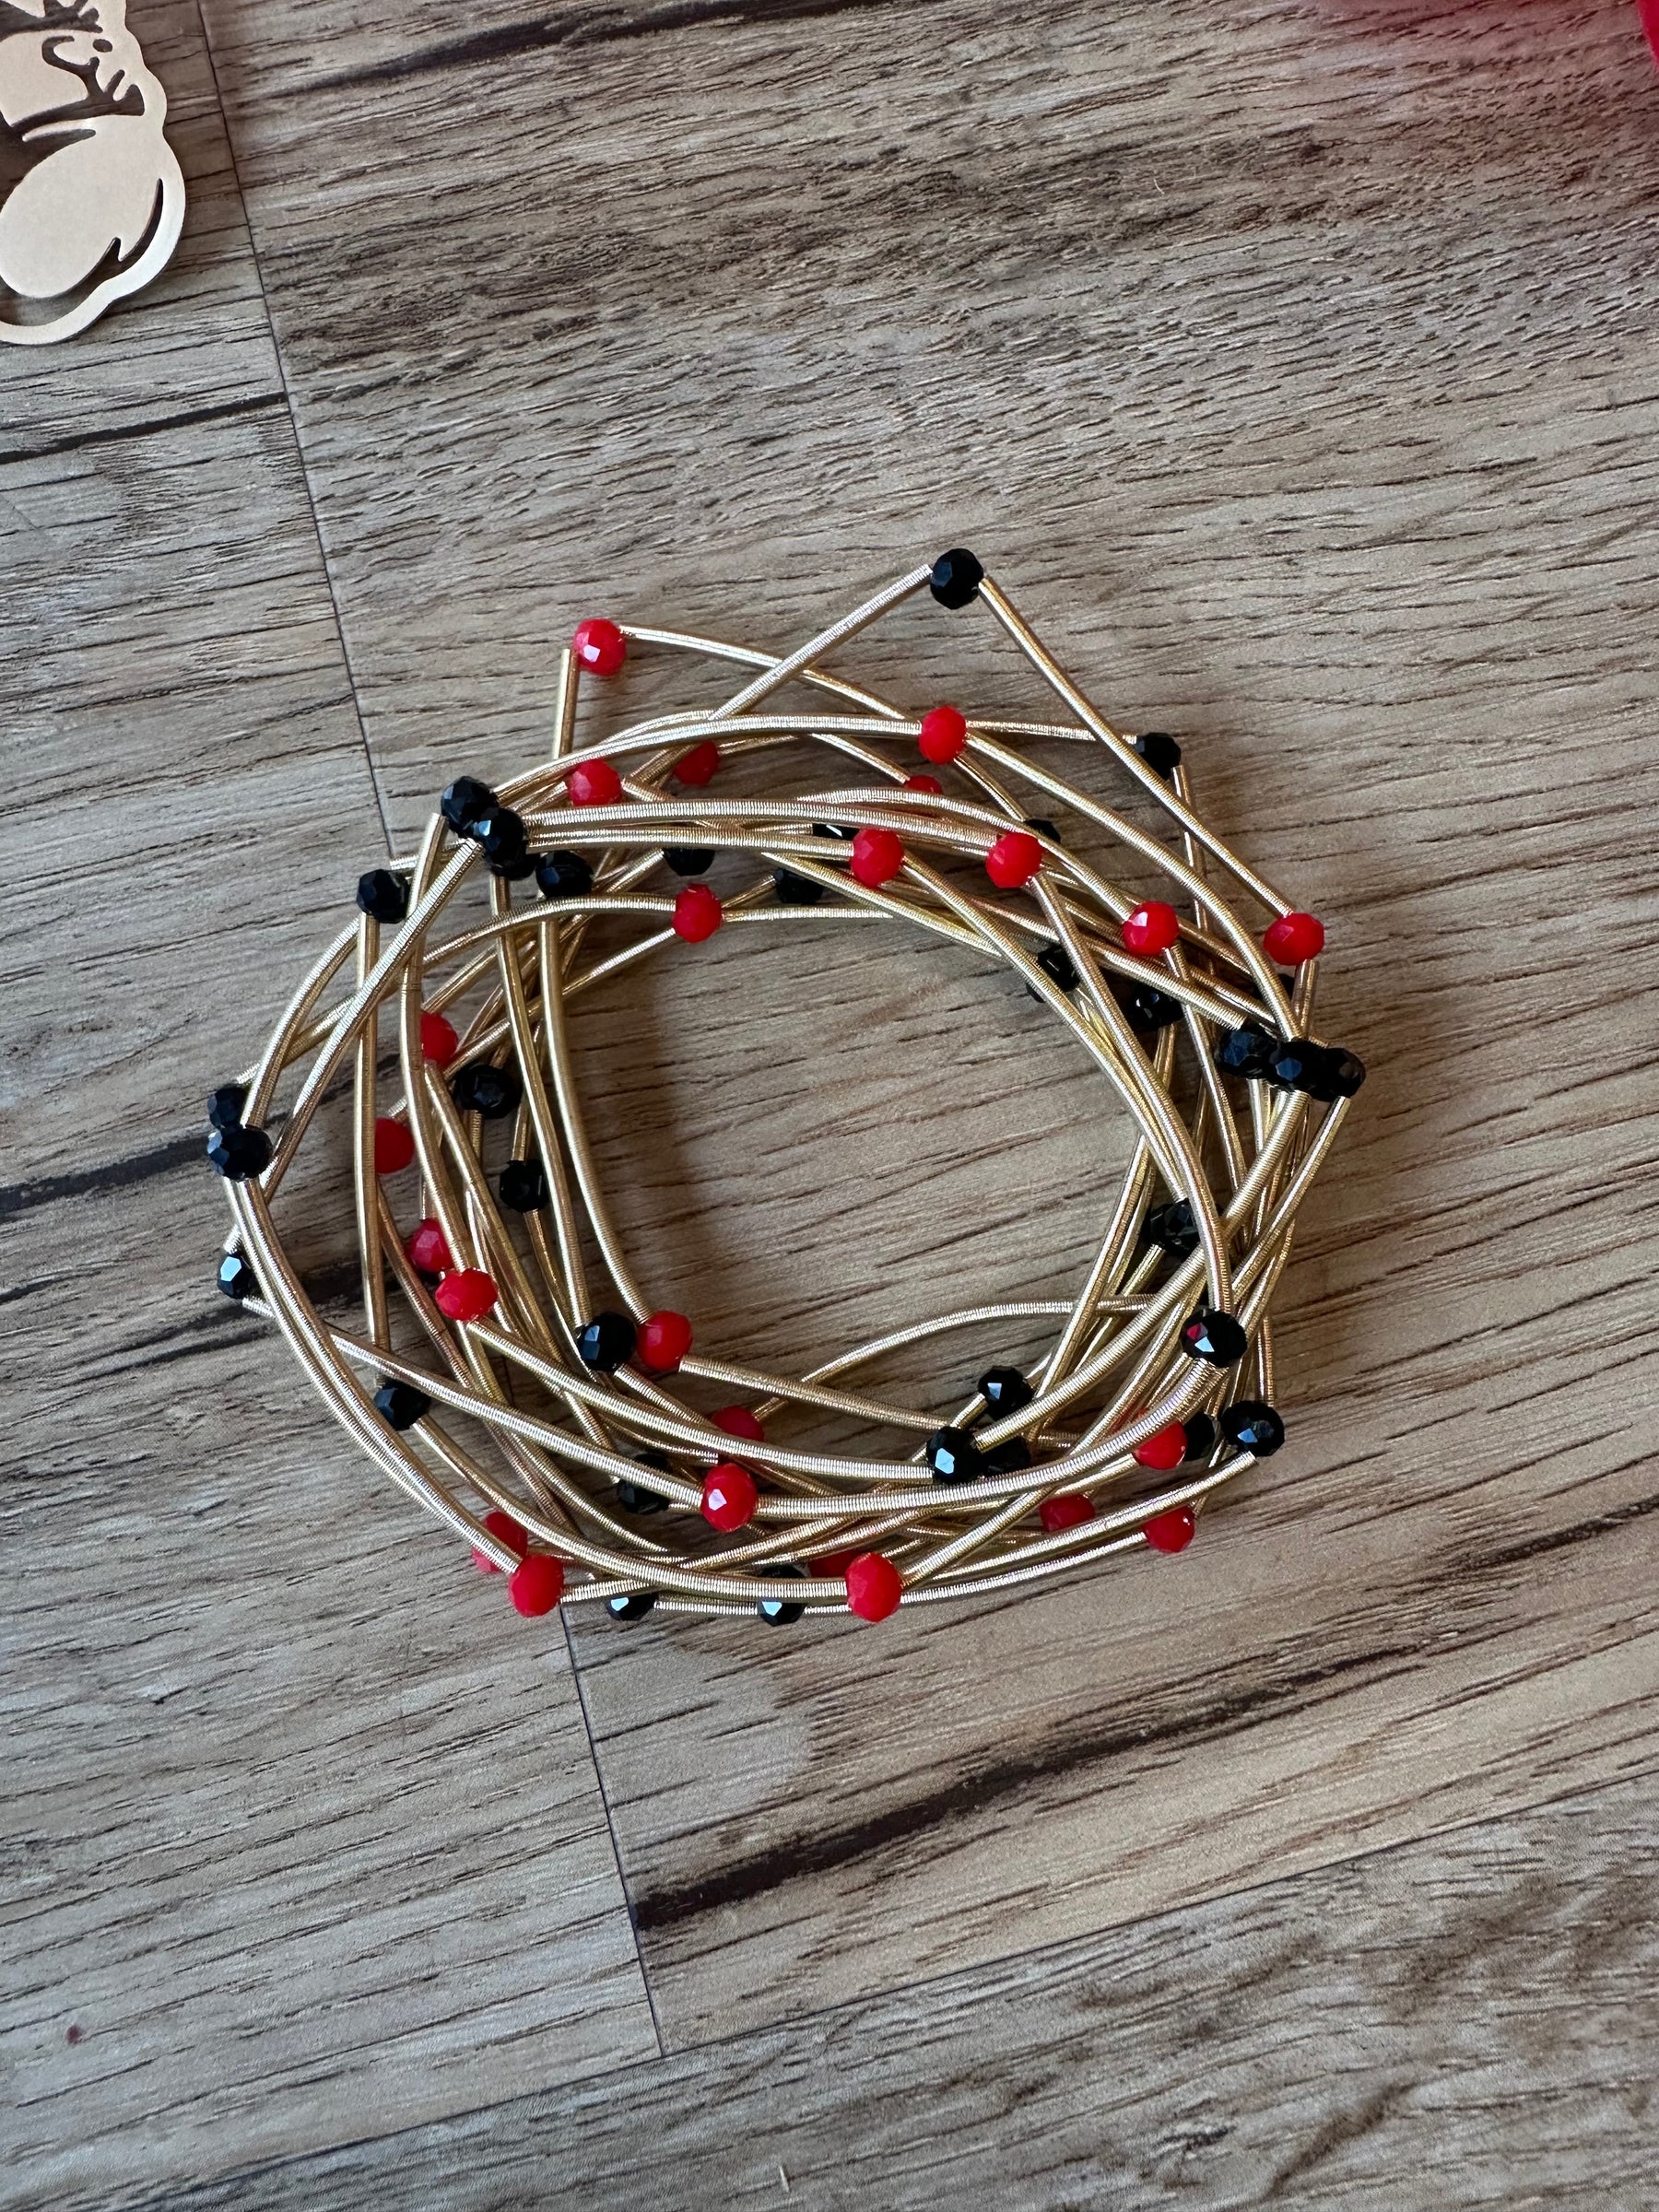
1214,1336
224,1105
834,829
240,1154
523,1186
1246,1050
632,1604
563,874
606,1342
956,577
1012,1457
635,1497
1345,1071
954,1457
494,1092
780,1611
1335,1073
1044,827
1004,1390
795,890
1201,1438
236,1278
383,896
462,802
1255,1426
1173,1228
1294,1067
689,860
1162,754
1148,1009
400,1405
1056,963
501,835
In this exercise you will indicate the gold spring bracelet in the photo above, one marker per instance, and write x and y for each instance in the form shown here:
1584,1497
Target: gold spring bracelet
531,1410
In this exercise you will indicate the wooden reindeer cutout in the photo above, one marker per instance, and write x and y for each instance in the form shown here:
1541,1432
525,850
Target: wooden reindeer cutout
91,198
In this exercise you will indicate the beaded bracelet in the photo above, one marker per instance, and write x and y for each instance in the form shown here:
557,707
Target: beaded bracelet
529,1410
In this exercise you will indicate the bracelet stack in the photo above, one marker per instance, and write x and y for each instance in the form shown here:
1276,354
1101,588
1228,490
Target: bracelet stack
511,1371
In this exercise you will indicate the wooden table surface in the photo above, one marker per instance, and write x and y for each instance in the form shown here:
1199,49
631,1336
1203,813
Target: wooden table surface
1295,367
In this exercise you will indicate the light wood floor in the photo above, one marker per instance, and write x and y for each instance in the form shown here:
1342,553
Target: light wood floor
1295,366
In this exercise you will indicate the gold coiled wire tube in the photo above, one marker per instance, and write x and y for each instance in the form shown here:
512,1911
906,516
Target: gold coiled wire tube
515,1422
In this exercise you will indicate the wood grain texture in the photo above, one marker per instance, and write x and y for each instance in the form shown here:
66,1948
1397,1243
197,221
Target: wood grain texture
197,344
1295,373
1466,2021
244,1899
259,1884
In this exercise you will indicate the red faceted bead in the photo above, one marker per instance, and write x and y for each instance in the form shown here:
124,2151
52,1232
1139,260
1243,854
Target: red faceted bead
467,1295
537,1584
1069,1510
831,1566
930,784
873,1586
737,1420
1163,1449
877,858
1171,1531
1152,928
697,914
697,766
393,1146
1294,939
438,1039
729,1496
663,1342
429,1248
594,783
508,1530
599,645
942,734
1013,859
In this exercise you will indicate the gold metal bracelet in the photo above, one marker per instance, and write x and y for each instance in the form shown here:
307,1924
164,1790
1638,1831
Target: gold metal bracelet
536,1415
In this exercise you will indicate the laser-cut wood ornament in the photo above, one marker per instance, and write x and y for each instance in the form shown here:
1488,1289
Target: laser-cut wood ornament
511,1370
91,196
